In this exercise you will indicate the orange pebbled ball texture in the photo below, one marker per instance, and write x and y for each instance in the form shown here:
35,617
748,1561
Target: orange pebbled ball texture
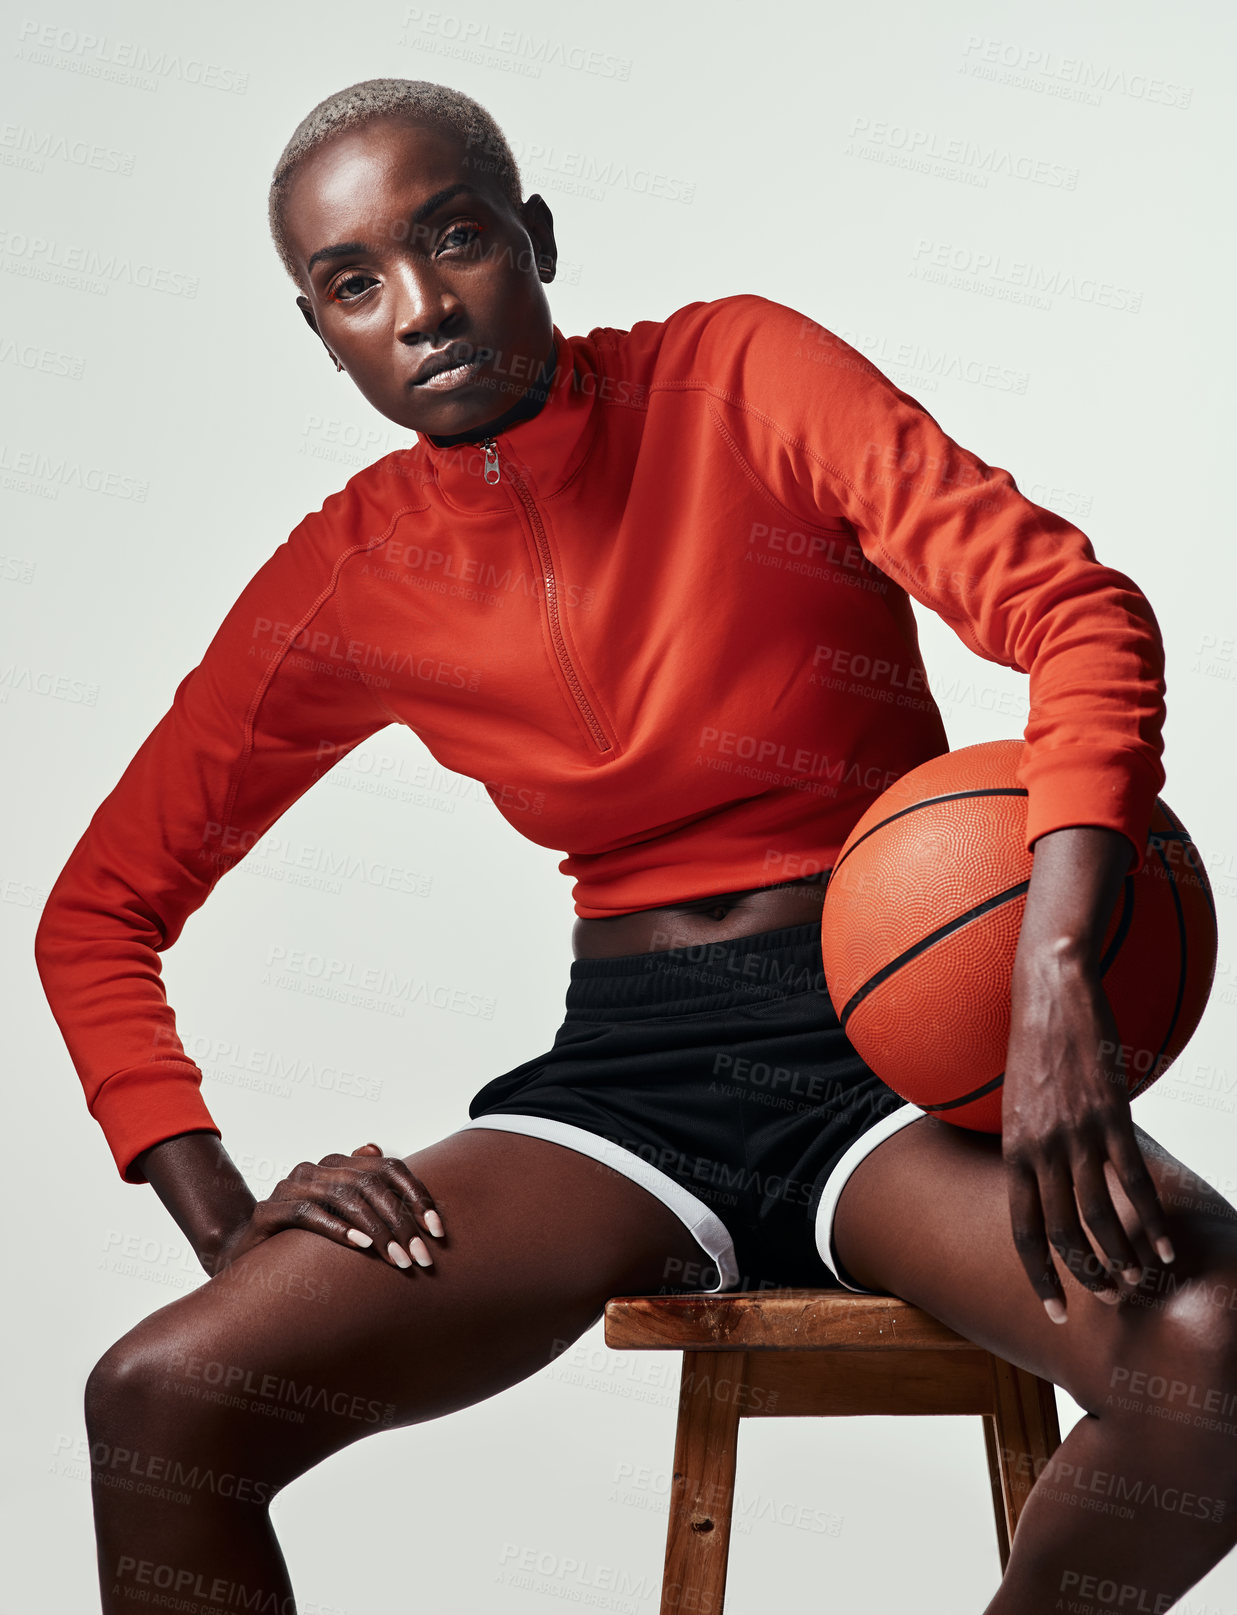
920,922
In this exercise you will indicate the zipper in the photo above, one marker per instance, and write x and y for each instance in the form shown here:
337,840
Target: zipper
604,743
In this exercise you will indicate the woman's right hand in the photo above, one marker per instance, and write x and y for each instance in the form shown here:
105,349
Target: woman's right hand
367,1200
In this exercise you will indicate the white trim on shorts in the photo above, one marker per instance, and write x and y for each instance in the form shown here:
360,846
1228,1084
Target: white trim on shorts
836,1181
705,1226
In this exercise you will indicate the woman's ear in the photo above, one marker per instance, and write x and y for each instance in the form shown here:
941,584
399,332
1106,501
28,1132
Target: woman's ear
539,222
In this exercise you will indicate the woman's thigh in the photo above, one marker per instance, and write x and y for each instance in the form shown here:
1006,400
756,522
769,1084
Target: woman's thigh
926,1217
304,1346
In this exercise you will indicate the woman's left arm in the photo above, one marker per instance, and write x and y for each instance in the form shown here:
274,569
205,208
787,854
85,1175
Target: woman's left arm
1065,1104
1021,586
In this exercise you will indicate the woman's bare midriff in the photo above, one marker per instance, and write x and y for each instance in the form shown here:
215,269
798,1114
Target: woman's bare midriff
704,919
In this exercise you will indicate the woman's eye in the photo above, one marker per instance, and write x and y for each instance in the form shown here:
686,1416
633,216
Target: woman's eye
353,285
339,290
465,234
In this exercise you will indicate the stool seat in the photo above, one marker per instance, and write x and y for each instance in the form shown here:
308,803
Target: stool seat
813,1353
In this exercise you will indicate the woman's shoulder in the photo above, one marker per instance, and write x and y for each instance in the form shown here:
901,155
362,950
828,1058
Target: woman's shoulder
704,336
692,318
367,505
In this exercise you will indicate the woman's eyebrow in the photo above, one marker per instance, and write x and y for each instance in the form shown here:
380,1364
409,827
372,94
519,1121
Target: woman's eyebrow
345,249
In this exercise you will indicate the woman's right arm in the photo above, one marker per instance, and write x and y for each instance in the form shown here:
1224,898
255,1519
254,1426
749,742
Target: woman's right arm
197,1181
265,714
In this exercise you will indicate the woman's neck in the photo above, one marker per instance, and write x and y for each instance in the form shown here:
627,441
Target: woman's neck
525,407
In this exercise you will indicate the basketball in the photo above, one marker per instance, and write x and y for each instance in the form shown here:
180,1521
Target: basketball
920,921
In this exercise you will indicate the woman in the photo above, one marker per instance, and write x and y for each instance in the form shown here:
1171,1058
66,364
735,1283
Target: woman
615,578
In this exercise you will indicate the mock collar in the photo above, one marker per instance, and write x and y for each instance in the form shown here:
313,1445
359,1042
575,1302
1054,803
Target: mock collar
545,450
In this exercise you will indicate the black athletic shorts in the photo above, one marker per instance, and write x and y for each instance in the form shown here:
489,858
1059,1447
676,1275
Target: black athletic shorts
718,1077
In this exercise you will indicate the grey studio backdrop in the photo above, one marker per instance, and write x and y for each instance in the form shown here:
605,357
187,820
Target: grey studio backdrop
1015,211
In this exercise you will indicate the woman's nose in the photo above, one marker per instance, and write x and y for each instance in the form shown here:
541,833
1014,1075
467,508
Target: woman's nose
424,303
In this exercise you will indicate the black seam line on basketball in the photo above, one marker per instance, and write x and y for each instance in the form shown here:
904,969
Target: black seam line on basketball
1123,924
928,941
1196,867
1183,943
975,1093
929,801
1179,831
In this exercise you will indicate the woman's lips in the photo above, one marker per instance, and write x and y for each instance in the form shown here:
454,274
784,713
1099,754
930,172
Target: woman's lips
457,376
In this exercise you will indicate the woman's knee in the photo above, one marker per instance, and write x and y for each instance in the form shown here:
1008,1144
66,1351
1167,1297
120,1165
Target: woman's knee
1172,1354
173,1390
150,1443
1189,1329
133,1386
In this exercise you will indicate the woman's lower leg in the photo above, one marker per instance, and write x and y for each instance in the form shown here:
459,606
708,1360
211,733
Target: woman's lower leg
1137,1504
1127,1515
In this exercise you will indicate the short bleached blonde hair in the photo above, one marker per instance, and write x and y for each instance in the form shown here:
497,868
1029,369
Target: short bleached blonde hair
380,98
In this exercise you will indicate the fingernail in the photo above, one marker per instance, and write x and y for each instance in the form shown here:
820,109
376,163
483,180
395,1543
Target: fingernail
358,1238
420,1250
1110,1298
398,1255
434,1223
1164,1246
1054,1309
1132,1275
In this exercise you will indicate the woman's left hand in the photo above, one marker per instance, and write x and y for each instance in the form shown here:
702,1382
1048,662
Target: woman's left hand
1065,1112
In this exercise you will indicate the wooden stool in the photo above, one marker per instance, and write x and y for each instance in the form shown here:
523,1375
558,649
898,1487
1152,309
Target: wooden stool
789,1353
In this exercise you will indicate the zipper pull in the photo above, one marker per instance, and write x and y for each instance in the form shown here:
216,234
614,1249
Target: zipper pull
491,460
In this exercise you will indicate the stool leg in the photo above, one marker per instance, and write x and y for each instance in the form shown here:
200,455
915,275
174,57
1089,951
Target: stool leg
1022,1433
998,1495
702,1491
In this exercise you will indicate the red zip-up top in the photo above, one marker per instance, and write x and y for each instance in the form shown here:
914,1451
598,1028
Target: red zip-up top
665,622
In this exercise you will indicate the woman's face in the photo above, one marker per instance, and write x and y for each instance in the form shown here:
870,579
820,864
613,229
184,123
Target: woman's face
411,256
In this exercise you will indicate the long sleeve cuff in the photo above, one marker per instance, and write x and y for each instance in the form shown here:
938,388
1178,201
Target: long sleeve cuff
1072,785
146,1104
